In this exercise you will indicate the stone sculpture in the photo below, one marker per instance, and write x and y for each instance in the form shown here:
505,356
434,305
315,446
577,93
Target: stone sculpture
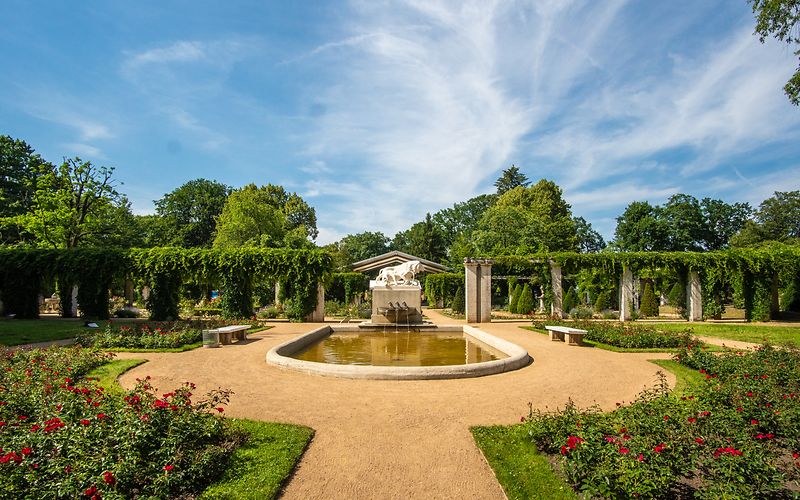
400,275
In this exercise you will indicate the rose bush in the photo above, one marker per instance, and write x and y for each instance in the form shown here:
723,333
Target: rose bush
627,335
737,435
151,335
63,436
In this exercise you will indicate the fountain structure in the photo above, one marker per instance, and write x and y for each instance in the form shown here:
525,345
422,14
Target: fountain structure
396,296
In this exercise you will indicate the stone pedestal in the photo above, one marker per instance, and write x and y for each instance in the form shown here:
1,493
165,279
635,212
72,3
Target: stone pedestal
478,290
318,314
396,304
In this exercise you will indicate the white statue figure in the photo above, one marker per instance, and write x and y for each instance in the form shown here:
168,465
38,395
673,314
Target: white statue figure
400,275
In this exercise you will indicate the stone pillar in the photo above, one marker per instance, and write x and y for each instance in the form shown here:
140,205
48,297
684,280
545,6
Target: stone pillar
775,308
556,308
472,290
694,297
478,290
128,293
74,311
277,293
626,294
318,314
485,314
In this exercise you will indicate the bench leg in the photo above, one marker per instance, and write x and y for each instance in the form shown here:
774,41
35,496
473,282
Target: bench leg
556,336
575,339
225,338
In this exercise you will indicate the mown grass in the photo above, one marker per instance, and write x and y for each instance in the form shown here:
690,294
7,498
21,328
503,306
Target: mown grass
756,334
686,378
259,468
614,348
522,471
29,331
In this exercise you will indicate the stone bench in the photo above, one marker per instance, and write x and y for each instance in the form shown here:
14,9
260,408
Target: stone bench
228,333
572,336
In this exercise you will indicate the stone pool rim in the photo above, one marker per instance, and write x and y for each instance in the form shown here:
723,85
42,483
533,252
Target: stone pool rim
517,358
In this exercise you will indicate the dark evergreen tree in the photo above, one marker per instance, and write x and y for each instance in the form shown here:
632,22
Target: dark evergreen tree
512,306
571,300
525,303
649,303
458,301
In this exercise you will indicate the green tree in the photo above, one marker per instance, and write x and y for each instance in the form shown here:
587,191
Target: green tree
189,214
248,219
686,229
424,239
74,204
641,228
571,300
512,306
648,307
589,240
781,20
462,218
526,220
511,178
357,247
300,216
777,219
603,301
722,221
525,303
19,165
458,305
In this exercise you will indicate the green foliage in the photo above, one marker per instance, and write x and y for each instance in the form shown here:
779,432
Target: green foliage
570,301
18,166
589,240
527,219
361,246
779,216
458,223
513,306
525,305
346,287
458,305
603,301
441,287
648,307
511,178
677,297
781,20
424,239
627,335
187,216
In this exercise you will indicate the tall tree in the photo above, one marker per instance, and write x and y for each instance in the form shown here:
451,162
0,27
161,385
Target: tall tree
777,219
528,219
189,213
249,219
589,240
781,20
424,239
462,218
686,227
74,204
641,228
356,247
19,164
298,213
511,178
723,221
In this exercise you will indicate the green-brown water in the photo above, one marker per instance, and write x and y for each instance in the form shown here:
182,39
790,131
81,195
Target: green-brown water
404,348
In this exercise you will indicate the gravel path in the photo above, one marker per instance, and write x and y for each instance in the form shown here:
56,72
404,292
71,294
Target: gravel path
400,439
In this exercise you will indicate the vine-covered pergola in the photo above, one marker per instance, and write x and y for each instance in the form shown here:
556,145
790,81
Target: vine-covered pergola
760,271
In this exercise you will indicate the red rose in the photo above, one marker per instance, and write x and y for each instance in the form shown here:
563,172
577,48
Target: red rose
109,478
168,467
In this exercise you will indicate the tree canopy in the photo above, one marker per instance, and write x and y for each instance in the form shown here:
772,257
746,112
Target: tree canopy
511,178
357,247
18,167
188,214
423,239
781,20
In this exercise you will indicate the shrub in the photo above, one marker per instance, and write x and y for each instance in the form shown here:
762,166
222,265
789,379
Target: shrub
581,313
677,298
649,304
65,437
570,300
273,312
458,301
603,301
512,306
628,336
525,303
126,313
734,436
153,335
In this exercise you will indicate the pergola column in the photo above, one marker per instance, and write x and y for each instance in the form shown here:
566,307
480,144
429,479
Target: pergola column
318,314
478,290
557,307
694,296
74,304
625,294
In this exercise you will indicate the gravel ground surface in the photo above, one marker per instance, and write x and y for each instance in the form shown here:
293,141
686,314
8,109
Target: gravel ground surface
399,439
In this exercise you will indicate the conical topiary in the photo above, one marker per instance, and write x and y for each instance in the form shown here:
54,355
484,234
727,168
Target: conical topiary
458,301
649,304
525,303
512,306
570,301
603,301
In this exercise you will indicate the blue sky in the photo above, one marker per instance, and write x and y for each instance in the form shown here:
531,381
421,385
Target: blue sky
377,112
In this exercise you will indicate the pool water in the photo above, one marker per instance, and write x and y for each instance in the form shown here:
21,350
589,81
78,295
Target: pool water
404,348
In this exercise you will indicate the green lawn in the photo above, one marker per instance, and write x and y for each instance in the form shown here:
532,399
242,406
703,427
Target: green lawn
259,468
28,331
742,331
109,372
686,377
521,470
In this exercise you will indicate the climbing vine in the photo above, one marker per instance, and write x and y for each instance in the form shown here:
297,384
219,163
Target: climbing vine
442,288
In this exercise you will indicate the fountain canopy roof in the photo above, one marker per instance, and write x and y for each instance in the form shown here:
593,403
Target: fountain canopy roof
396,257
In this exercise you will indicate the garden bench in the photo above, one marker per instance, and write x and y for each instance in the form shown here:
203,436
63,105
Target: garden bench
228,333
572,336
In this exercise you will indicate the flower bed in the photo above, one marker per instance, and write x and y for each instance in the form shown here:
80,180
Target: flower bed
737,435
150,335
626,335
62,436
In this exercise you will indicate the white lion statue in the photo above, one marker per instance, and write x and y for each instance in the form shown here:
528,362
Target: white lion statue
400,275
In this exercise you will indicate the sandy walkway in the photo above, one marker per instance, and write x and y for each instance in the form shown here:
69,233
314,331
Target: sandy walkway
400,439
